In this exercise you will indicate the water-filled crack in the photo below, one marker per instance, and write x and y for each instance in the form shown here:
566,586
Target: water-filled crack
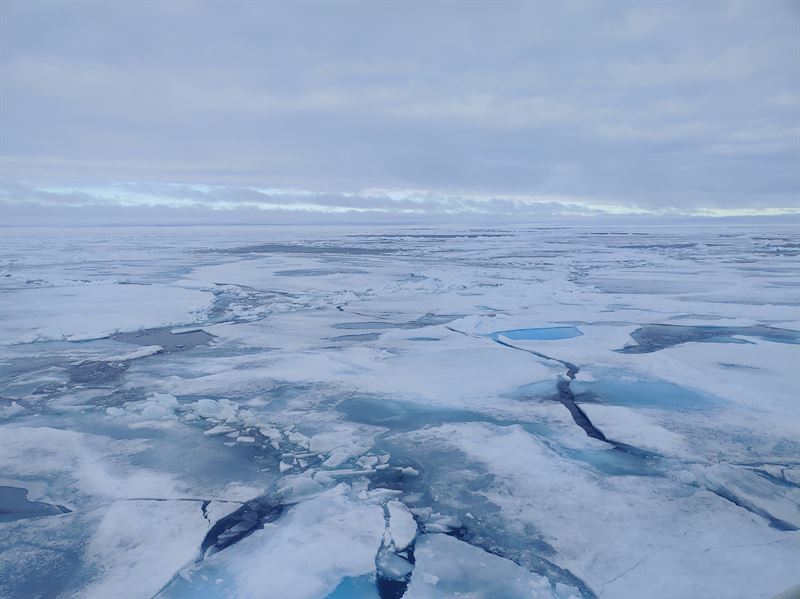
544,566
240,524
567,398
774,522
394,479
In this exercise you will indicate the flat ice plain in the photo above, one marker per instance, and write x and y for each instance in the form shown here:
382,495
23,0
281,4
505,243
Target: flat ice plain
299,413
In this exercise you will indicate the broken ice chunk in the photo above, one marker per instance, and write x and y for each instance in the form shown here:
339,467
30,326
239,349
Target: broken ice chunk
368,461
273,434
442,523
393,566
402,526
223,410
298,438
337,458
220,429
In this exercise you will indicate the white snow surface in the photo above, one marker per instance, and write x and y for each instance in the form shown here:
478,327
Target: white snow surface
94,310
121,553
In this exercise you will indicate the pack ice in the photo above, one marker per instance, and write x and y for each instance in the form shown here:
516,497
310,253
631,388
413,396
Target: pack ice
385,412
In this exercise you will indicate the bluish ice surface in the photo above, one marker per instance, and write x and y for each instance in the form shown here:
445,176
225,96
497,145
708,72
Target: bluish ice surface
359,587
614,462
539,334
621,391
404,415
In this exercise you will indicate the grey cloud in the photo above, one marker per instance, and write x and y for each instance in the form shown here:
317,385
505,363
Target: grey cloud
655,105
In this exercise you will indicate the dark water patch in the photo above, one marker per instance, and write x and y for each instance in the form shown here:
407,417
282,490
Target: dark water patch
240,524
431,319
398,476
392,587
169,341
362,337
14,505
567,399
424,339
389,588
284,248
96,373
655,337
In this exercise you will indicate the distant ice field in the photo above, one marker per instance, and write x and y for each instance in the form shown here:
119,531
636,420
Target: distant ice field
383,412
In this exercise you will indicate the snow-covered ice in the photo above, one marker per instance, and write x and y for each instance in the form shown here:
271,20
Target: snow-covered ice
352,412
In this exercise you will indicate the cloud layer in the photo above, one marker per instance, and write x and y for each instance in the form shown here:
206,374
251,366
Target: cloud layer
450,108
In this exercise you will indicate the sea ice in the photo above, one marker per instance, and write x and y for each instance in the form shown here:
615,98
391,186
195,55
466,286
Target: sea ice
233,412
446,567
92,310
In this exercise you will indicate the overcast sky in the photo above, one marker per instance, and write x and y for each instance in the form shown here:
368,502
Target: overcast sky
223,111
